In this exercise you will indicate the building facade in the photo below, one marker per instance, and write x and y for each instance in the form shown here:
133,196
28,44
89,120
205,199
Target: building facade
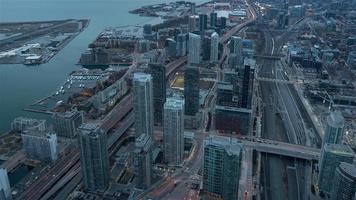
191,90
214,48
334,128
40,145
344,187
194,48
23,123
5,189
66,124
143,104
173,131
94,158
331,156
158,73
143,161
221,168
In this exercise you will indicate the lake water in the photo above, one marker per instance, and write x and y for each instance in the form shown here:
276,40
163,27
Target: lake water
21,85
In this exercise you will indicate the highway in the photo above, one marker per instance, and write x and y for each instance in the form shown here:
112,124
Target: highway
283,120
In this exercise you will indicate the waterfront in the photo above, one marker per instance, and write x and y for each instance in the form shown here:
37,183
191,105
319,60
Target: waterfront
21,85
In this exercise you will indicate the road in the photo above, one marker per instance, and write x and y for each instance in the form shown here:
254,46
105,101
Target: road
283,120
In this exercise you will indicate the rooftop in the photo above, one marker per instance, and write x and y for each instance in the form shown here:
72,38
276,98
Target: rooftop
142,77
231,145
339,149
349,169
174,103
335,119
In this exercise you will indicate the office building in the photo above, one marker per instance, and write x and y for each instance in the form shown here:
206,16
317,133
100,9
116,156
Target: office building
236,48
147,29
214,47
213,19
66,124
173,131
203,22
351,59
193,21
223,23
192,8
222,166
171,48
143,161
331,156
334,128
206,48
247,84
191,90
40,145
24,123
94,158
194,48
181,45
233,120
158,73
344,187
143,104
5,189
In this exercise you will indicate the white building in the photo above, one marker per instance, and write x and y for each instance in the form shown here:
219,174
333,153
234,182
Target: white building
193,22
5,190
143,104
214,47
173,131
40,145
194,46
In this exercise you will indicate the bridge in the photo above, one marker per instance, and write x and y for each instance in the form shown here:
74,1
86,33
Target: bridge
279,148
275,80
172,66
268,57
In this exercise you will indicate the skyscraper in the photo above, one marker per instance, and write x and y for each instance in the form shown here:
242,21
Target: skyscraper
143,161
331,156
158,73
5,190
194,46
193,23
206,48
222,165
236,48
344,187
214,48
247,83
94,159
203,22
143,104
191,90
334,128
66,124
181,45
171,48
40,145
173,131
213,19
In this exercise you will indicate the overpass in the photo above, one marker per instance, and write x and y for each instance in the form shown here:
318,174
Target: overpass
281,148
275,80
277,147
172,66
268,57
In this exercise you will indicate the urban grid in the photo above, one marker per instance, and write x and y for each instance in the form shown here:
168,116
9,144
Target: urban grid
209,100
